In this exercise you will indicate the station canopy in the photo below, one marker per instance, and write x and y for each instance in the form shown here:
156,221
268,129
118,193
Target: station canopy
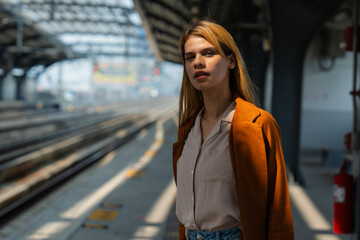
248,21
164,20
41,32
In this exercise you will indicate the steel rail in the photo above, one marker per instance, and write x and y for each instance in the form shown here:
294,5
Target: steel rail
37,142
78,167
86,161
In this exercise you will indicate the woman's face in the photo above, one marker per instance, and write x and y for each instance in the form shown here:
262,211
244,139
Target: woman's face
205,67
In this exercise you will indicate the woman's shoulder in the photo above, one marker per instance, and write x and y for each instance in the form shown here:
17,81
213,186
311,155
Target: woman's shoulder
266,117
246,111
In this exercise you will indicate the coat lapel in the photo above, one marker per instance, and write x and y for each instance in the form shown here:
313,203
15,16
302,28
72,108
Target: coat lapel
248,157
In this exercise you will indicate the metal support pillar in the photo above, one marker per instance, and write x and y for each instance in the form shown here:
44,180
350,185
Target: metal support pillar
19,31
356,120
60,87
256,60
20,87
19,45
2,77
294,24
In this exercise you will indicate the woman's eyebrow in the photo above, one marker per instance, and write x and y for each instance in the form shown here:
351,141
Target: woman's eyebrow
202,50
209,48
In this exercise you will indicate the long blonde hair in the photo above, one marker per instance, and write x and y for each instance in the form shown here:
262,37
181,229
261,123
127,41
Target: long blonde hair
191,100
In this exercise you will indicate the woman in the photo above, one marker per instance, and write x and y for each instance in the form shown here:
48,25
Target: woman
228,162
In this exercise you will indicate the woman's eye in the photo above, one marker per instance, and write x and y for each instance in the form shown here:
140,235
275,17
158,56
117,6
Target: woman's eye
209,53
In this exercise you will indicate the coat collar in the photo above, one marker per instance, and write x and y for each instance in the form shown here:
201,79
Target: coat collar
244,111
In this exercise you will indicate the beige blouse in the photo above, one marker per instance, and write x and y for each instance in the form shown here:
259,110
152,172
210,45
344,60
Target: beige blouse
206,197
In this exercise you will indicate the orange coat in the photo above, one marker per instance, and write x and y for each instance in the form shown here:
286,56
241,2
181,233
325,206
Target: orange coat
259,168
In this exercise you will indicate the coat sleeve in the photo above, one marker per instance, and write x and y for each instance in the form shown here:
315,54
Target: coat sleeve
182,232
279,217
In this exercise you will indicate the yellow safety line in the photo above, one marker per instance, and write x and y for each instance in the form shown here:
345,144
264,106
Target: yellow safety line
95,226
103,215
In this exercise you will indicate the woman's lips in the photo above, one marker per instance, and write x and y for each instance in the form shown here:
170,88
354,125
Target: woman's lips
200,75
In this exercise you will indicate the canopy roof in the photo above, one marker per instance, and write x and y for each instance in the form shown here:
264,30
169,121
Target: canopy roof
164,20
248,21
34,32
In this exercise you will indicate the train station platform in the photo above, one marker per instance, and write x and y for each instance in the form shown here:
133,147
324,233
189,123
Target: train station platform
130,194
138,207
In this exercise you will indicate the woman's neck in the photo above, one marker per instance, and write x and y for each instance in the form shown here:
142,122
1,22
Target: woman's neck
215,103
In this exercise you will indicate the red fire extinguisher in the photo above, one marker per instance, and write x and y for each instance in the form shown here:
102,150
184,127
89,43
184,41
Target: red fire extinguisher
343,218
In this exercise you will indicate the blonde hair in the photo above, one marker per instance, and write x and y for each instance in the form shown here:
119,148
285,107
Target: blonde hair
191,100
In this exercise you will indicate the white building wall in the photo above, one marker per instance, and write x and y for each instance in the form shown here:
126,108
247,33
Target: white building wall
30,90
326,102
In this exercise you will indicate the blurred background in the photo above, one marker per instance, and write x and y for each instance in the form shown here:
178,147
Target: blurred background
75,52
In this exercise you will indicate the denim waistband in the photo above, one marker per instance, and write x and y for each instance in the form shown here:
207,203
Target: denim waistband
227,234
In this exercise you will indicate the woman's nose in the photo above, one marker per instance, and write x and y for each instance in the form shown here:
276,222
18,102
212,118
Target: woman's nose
199,62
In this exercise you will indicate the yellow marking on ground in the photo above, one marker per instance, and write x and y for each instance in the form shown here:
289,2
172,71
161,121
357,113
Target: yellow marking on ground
135,173
111,205
94,226
150,153
103,215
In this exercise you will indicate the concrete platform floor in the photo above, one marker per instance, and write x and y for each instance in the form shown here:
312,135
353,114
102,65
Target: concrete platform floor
130,194
312,204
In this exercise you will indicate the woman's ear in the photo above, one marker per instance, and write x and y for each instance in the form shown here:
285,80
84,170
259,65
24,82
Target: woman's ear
232,64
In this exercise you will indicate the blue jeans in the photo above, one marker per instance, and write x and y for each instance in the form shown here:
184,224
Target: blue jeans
227,234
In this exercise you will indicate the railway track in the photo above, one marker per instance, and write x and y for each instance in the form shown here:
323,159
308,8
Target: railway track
51,159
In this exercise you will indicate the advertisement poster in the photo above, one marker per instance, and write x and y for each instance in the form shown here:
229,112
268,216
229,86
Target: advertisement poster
118,74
